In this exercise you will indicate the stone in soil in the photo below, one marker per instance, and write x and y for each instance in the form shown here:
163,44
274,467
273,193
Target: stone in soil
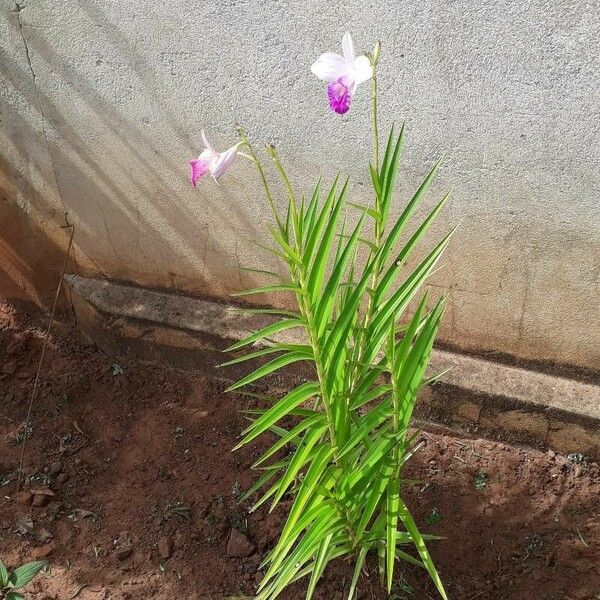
42,551
124,552
40,500
165,547
239,546
23,497
55,468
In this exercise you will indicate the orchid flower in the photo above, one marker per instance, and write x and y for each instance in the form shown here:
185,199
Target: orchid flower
343,74
212,162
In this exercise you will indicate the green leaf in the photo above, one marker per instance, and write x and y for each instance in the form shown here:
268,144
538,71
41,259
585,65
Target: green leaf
274,365
252,355
292,436
319,566
277,412
375,180
392,505
260,482
267,311
392,272
267,332
12,595
325,305
360,561
317,229
317,270
419,542
299,459
367,210
3,575
408,211
21,576
269,289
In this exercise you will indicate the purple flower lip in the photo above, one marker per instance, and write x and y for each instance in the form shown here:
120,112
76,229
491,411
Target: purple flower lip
339,97
343,74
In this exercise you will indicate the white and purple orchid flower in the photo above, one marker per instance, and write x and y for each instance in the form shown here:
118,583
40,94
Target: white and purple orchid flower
211,161
343,74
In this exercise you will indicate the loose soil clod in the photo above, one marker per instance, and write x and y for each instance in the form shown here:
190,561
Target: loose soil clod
149,449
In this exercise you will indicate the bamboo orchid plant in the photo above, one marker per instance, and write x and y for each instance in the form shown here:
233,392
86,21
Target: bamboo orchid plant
349,426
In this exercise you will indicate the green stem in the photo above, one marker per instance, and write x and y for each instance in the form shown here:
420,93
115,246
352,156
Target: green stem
298,276
263,178
290,192
379,227
375,119
306,309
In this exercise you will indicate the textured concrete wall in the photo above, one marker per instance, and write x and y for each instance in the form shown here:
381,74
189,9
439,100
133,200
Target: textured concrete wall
103,102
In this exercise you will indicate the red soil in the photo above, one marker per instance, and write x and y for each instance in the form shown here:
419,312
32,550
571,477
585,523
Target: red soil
145,491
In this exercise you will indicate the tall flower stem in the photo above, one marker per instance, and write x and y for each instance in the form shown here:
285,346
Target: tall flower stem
254,158
379,225
374,61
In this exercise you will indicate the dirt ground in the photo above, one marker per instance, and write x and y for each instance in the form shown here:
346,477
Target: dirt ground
132,491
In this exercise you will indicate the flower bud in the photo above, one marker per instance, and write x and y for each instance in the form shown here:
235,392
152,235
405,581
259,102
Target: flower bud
376,52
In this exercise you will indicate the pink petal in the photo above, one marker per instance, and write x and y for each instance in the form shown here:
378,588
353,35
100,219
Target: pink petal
198,168
339,95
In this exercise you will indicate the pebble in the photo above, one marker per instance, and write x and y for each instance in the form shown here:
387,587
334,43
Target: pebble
44,535
55,468
165,548
239,546
42,551
124,552
40,500
23,497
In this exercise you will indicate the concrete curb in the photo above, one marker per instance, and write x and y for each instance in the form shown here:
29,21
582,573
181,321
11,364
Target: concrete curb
477,395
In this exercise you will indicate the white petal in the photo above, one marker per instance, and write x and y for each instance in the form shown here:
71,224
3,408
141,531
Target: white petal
207,143
329,67
348,47
223,162
208,155
363,71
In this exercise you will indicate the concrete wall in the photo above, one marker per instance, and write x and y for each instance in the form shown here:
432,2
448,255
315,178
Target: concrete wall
103,101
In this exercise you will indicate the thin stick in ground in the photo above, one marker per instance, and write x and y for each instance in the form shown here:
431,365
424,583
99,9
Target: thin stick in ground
41,361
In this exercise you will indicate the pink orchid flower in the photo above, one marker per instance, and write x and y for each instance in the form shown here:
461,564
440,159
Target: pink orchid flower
343,74
211,162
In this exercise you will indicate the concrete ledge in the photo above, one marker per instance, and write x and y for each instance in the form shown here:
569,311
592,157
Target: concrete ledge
477,395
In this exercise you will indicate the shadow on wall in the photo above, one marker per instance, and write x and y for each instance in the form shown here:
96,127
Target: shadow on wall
30,258
118,212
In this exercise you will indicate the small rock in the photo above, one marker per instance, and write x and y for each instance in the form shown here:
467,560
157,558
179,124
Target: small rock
42,551
124,552
43,535
55,468
24,525
10,367
62,478
239,546
165,547
258,577
40,500
23,497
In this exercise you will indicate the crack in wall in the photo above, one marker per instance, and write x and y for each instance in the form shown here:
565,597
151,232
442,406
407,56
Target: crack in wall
20,6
